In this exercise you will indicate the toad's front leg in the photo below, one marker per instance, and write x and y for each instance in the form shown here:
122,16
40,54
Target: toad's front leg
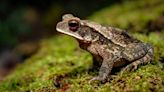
107,64
105,69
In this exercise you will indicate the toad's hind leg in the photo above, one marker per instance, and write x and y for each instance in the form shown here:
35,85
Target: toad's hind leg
142,61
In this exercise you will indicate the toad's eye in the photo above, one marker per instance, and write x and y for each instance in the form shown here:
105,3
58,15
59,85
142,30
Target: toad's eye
73,25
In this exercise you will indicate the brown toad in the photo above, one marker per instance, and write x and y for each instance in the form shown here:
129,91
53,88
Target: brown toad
111,46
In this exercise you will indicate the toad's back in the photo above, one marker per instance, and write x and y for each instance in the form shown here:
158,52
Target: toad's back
121,37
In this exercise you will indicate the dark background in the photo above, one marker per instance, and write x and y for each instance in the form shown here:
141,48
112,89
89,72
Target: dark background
20,18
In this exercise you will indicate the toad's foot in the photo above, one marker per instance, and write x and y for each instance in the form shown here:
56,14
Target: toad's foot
98,78
130,67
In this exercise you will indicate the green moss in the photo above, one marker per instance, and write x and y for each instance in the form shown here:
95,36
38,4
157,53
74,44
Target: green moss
61,65
55,58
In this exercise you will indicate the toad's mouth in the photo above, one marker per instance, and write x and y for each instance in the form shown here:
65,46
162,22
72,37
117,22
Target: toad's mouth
70,33
75,35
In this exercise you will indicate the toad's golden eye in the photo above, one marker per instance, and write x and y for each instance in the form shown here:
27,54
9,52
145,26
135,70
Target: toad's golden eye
73,25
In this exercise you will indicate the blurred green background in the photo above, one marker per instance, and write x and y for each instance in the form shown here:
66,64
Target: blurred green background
34,57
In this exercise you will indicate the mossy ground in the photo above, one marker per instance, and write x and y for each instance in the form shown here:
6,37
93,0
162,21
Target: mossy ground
61,65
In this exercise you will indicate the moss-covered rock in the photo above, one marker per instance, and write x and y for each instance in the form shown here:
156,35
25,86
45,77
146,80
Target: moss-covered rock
61,65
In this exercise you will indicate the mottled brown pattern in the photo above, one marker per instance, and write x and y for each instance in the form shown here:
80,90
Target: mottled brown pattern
112,47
